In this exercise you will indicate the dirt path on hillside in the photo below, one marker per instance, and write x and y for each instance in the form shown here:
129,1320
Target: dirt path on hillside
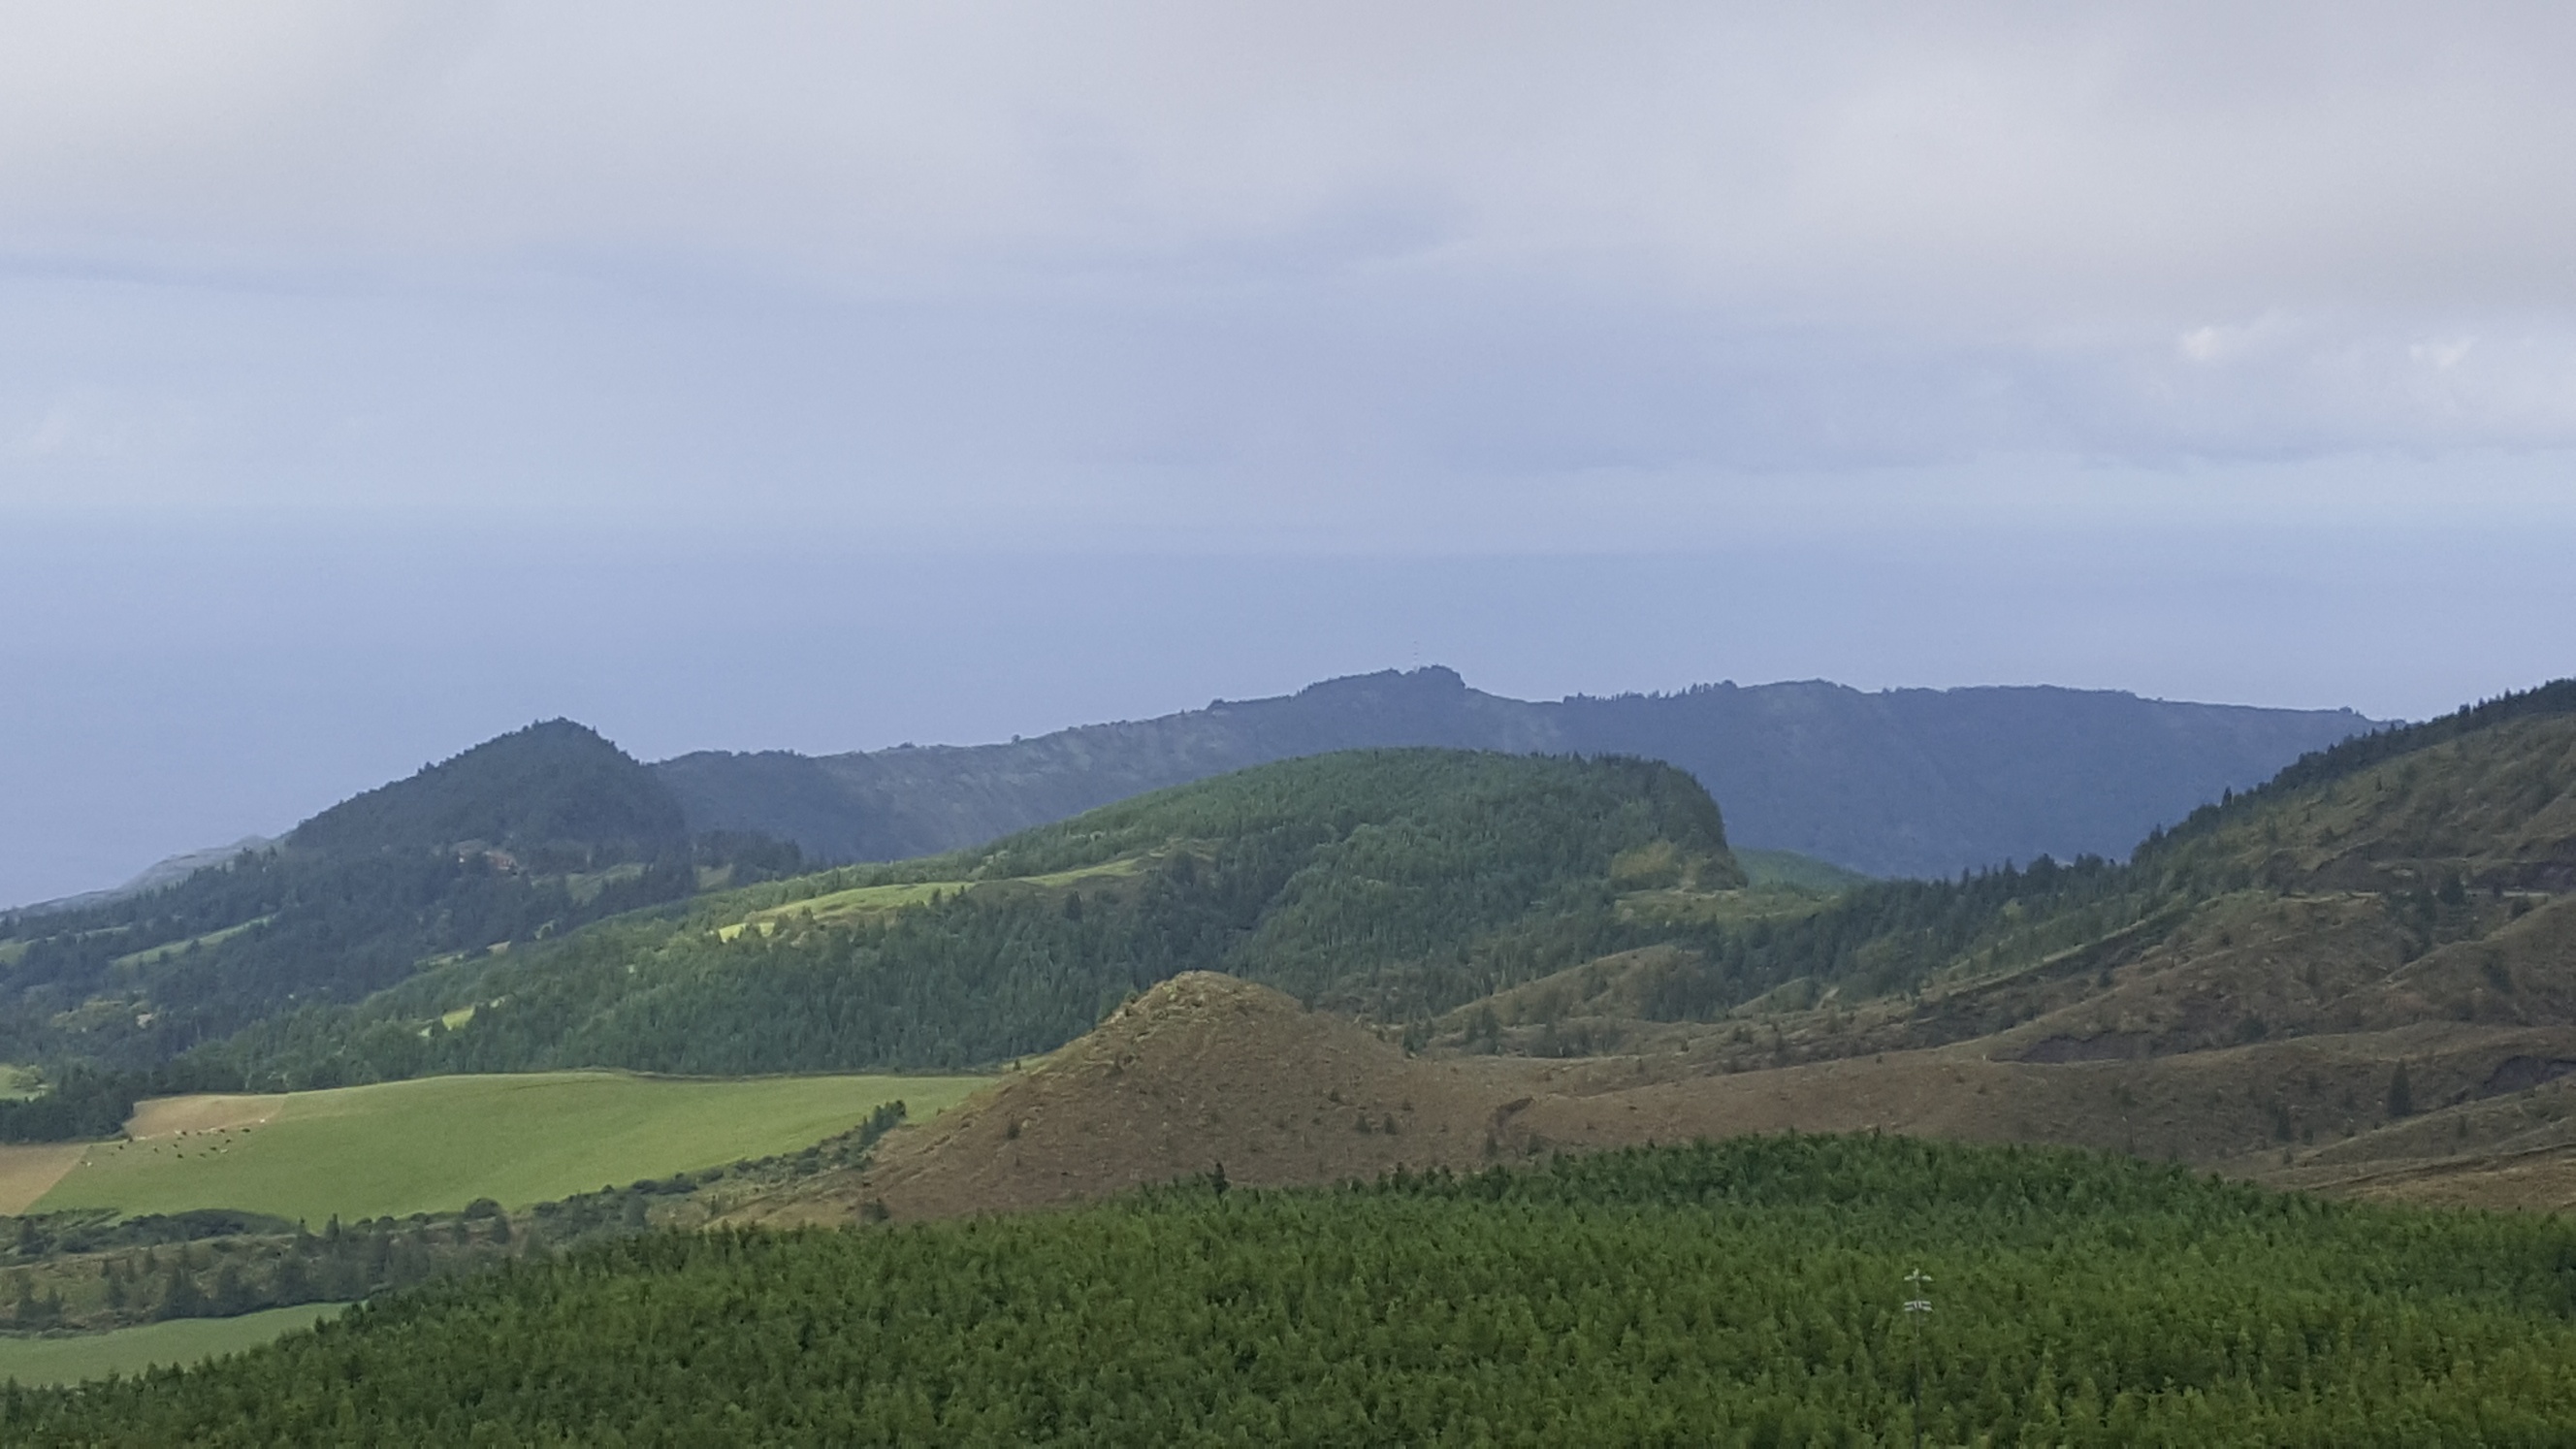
169,1116
29,1172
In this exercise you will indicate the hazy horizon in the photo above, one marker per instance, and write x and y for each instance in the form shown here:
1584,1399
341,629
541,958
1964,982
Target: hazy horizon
246,714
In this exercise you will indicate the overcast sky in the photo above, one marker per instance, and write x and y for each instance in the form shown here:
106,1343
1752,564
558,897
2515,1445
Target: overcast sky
375,378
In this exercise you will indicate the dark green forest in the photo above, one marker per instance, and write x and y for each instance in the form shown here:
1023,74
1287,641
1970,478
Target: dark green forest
80,1102
1392,882
1742,1293
555,796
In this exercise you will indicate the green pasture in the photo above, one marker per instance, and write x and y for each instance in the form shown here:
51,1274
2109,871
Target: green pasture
438,1143
72,1358
841,905
878,899
157,954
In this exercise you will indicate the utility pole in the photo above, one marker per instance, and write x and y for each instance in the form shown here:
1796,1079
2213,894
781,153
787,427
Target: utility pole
1918,1308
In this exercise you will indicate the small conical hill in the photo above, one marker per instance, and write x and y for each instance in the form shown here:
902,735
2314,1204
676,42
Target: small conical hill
1200,1071
555,788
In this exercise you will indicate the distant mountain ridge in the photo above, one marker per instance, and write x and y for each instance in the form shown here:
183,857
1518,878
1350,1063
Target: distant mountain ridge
167,871
1908,782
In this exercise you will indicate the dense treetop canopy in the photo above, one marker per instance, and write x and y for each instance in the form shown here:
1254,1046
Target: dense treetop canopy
1743,1293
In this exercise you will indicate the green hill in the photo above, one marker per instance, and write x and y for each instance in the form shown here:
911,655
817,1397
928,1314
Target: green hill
2448,831
1398,883
1746,1292
536,832
554,795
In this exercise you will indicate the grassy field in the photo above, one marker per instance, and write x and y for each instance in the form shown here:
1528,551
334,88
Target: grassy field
439,1143
842,905
179,948
73,1358
879,899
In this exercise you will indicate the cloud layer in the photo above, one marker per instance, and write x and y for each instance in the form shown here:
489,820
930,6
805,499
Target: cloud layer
1825,160
1018,251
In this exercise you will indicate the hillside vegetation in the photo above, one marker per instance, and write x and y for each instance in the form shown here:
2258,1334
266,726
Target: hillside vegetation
1746,1292
547,828
525,836
1398,883
1572,908
2360,979
1448,968
2356,977
2431,836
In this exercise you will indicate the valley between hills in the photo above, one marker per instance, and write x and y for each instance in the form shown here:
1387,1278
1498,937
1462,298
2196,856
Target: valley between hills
2353,982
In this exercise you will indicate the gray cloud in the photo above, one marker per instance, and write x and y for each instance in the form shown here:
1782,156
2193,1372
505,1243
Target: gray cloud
361,356
1439,237
1818,157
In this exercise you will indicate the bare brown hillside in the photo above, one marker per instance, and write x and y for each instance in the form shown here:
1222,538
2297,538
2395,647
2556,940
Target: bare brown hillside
2494,808
1206,1070
1201,1070
2244,968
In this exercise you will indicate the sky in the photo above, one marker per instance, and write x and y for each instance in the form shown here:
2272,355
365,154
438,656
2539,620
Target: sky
377,378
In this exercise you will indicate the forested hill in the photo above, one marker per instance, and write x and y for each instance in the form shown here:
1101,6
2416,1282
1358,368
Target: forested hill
2421,873
1907,782
1401,883
532,833
554,792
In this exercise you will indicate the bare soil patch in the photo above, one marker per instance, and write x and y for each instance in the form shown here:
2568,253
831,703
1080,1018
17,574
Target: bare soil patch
29,1171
